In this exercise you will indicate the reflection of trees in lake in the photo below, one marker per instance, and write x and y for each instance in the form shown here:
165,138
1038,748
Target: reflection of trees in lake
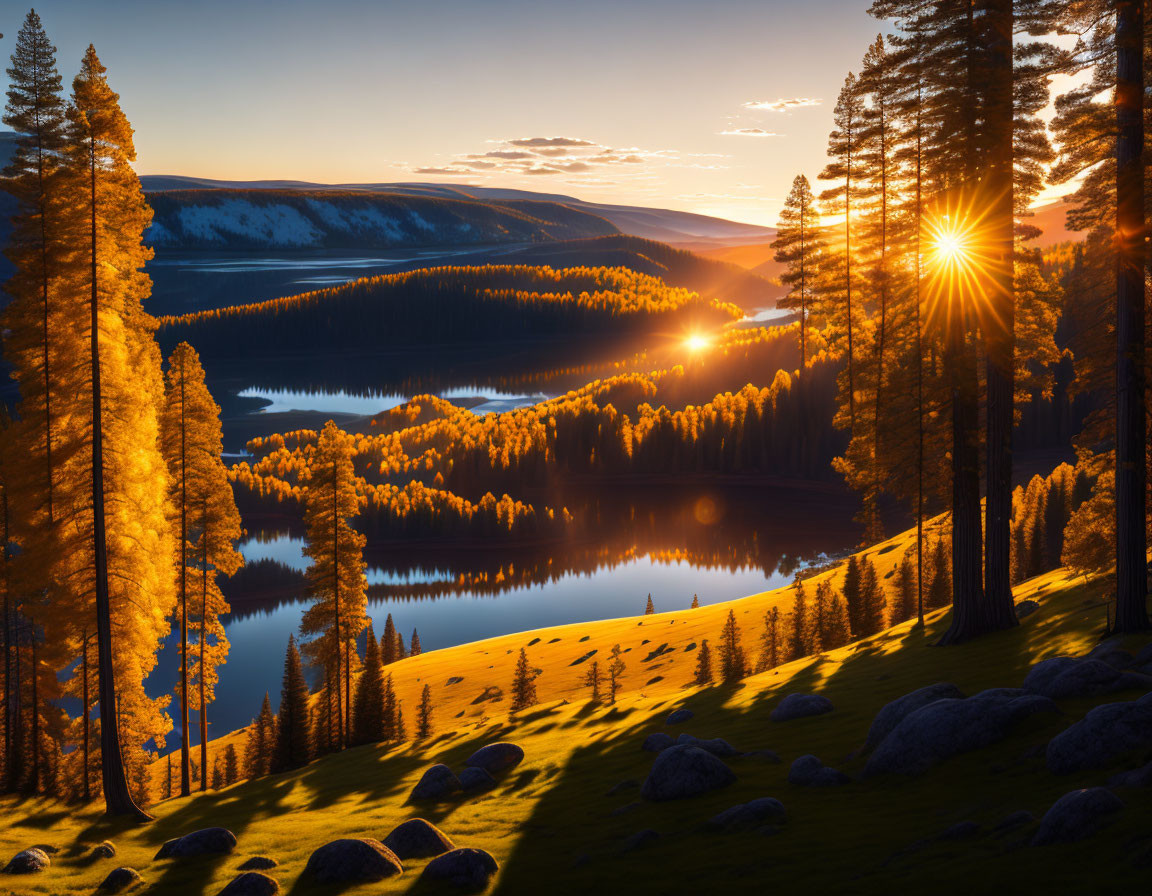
772,527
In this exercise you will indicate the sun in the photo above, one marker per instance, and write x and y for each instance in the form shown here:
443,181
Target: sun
950,245
697,342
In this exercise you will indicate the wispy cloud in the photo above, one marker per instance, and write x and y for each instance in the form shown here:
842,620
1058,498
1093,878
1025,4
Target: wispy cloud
782,104
748,132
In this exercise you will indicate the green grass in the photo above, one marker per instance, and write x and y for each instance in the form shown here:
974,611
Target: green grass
554,809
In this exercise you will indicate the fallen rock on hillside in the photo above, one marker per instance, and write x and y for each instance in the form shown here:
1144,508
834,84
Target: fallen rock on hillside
766,810
1104,735
476,780
258,863
679,717
1077,815
418,839
896,711
119,880
352,862
209,841
717,746
809,771
29,861
438,783
496,758
251,883
657,742
948,727
465,869
683,771
1063,677
797,706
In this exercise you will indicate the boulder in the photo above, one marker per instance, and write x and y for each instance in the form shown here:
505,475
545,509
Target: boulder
209,841
1026,608
809,771
251,883
1137,777
436,784
1104,735
258,863
1144,655
476,780
796,706
765,810
465,869
119,880
640,839
656,743
496,758
948,727
1113,655
683,771
352,862
679,717
30,861
717,746
1077,815
105,850
1063,677
894,713
418,839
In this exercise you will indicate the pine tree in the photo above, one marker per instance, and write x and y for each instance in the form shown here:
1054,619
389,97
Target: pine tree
649,609
800,246
424,716
336,577
388,642
839,633
401,727
414,648
401,653
258,748
119,551
939,592
771,642
821,618
703,673
695,602
616,669
592,680
231,765
853,596
907,589
217,775
293,737
368,709
390,711
799,623
872,601
733,665
523,684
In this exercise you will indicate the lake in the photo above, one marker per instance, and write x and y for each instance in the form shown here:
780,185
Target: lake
651,538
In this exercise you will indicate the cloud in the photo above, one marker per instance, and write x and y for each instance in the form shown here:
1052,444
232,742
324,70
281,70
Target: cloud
748,132
440,170
549,142
782,105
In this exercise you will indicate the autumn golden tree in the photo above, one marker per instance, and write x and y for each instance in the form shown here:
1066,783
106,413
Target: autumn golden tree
336,580
799,246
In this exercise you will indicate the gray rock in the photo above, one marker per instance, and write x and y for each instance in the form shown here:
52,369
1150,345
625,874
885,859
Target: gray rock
258,863
946,728
209,841
476,780
105,850
1015,820
894,713
352,861
796,706
1137,777
749,815
679,717
465,869
808,771
1144,655
1063,677
496,758
418,839
1077,815
1004,693
641,839
1026,608
1104,735
251,883
119,880
30,861
717,746
438,783
683,771
657,742
1113,655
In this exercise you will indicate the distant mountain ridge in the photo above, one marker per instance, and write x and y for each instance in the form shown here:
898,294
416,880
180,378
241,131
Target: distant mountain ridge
665,225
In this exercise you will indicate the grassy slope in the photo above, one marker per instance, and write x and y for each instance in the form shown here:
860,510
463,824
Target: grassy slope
554,808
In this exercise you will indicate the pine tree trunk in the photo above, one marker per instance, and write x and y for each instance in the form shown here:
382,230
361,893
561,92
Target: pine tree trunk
999,328
8,756
34,785
117,798
87,722
203,638
1131,473
341,717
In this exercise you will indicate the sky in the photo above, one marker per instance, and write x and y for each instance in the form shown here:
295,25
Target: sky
711,106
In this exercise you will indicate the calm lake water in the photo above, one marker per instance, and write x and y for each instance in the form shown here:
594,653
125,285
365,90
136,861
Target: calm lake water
648,540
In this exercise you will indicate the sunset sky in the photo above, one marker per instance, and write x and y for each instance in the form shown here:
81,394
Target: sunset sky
709,107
